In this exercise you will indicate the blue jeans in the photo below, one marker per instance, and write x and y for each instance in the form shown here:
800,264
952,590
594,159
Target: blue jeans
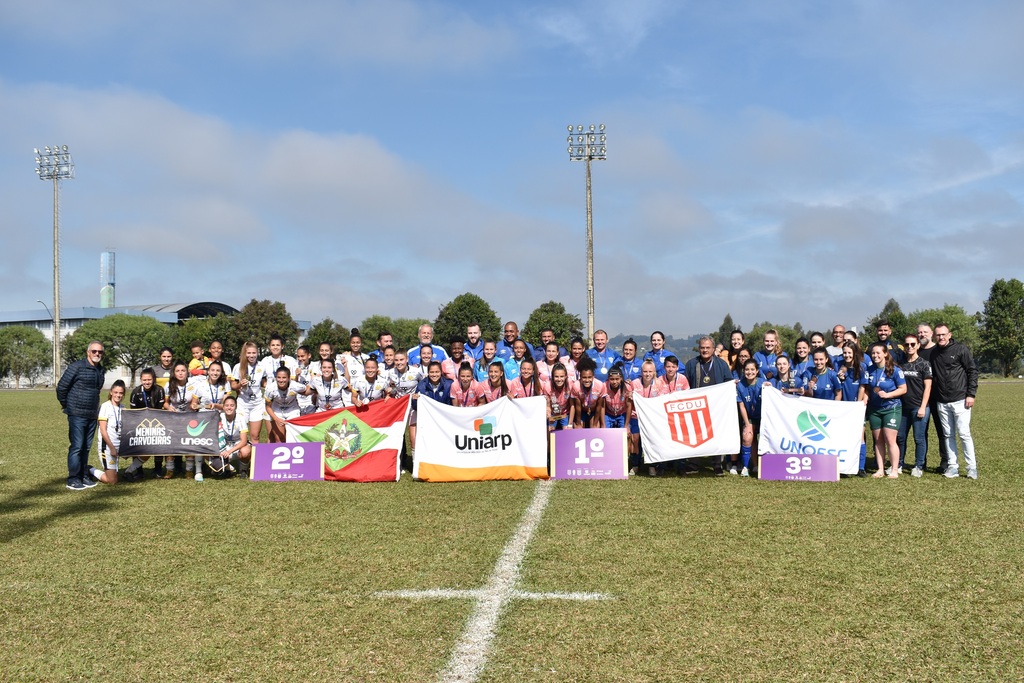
81,431
920,426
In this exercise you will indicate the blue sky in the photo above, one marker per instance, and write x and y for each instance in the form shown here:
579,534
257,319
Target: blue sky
790,161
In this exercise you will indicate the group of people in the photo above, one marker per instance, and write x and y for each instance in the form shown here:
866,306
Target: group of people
902,385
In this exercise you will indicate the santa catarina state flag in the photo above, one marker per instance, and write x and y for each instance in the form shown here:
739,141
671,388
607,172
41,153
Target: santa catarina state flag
360,444
689,424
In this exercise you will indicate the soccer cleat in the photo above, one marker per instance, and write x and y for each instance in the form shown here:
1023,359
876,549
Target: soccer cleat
745,472
916,472
972,474
199,477
862,474
952,473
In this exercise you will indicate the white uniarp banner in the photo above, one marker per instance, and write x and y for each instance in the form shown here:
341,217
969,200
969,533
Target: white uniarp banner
506,439
689,424
802,425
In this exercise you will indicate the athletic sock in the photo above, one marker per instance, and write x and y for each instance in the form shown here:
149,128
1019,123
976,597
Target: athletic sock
863,455
96,473
135,466
745,455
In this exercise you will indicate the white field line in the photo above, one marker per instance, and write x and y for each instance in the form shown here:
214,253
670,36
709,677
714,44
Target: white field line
470,654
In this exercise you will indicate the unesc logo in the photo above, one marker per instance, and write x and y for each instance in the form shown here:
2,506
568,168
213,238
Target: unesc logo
690,421
195,428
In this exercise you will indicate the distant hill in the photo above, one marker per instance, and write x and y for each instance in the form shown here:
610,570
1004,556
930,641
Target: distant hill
683,348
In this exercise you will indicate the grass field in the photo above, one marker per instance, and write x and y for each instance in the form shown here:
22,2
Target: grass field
711,579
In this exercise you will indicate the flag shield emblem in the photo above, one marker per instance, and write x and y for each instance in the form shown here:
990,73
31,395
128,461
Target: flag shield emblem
689,421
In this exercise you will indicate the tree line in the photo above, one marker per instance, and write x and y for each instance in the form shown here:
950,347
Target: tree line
995,335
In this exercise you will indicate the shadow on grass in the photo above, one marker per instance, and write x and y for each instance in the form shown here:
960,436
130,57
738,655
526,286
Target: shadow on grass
64,503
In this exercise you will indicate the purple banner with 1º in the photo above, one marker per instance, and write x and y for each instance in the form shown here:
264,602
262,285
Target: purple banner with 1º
589,454
791,467
288,462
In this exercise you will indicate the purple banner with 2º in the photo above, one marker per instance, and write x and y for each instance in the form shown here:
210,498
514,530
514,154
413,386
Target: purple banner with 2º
790,467
589,454
288,462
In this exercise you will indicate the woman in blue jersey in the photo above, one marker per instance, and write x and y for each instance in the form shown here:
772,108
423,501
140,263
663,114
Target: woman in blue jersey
822,380
885,410
481,366
802,363
742,356
748,398
630,364
783,379
767,356
658,352
853,382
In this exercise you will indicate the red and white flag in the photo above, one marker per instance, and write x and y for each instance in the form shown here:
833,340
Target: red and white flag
689,424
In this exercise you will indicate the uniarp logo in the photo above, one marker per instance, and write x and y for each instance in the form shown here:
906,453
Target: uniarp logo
195,427
485,425
812,427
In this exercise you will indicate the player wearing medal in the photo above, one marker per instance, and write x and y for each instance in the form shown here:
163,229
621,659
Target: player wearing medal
250,379
561,407
528,383
630,364
802,363
235,449
179,400
371,386
604,358
783,378
489,356
647,387
672,380
463,390
742,356
767,356
748,398
519,351
547,362
209,394
435,385
494,387
589,396
163,372
822,381
456,357
109,424
885,411
853,382
304,375
283,402
330,389
354,360
577,349
658,352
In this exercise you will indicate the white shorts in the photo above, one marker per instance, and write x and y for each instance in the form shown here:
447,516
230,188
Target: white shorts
253,413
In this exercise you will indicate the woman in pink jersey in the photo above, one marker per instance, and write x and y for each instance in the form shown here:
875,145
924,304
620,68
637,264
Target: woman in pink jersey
495,386
576,350
589,396
528,383
546,364
647,387
464,388
561,407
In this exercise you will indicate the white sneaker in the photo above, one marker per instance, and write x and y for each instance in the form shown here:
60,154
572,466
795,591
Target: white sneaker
952,473
733,471
632,471
745,472
972,474
888,470
199,477
916,472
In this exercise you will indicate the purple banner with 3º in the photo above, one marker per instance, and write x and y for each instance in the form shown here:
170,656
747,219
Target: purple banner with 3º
288,462
790,467
589,454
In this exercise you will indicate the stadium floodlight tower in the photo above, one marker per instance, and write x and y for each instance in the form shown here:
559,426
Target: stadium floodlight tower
588,145
55,163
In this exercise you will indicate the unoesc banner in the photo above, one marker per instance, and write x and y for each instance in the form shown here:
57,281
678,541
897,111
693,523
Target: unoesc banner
360,444
689,424
812,426
506,439
160,432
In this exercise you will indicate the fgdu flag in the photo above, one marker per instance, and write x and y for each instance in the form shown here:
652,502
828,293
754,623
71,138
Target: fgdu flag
360,444
161,432
689,424
812,426
506,439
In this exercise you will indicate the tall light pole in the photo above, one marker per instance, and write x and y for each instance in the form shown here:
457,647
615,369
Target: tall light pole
55,163
54,348
588,145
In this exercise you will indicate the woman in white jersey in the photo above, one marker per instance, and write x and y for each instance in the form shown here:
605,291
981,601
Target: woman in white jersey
331,390
250,379
283,402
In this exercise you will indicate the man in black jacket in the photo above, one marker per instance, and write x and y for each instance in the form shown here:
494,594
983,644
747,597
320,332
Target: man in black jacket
954,384
79,394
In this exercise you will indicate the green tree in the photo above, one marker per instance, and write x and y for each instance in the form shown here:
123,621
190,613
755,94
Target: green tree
258,321
459,313
897,321
552,314
724,333
24,352
207,330
788,335
962,325
335,334
1002,332
131,341
404,331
